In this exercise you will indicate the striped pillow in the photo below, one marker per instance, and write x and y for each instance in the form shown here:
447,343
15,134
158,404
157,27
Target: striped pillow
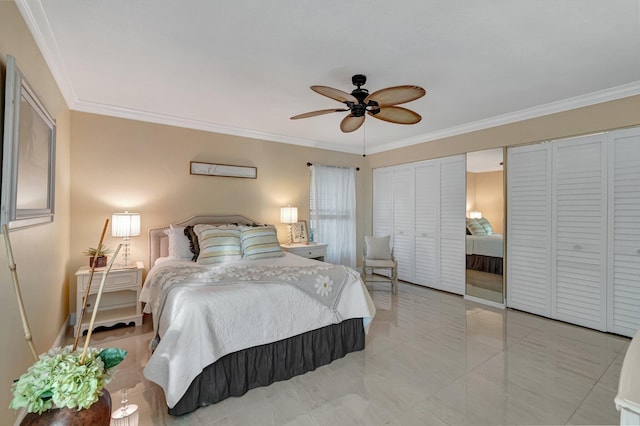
260,242
486,225
475,228
218,244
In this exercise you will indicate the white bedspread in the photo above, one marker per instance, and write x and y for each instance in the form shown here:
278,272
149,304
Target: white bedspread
488,245
202,323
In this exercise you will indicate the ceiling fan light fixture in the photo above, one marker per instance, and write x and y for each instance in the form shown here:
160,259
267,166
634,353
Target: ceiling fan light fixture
359,102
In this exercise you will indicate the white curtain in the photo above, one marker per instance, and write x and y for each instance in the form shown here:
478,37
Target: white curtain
333,212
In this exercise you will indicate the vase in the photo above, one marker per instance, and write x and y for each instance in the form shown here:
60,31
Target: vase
98,414
101,261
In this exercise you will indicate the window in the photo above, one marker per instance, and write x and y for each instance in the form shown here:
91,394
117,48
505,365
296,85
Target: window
333,212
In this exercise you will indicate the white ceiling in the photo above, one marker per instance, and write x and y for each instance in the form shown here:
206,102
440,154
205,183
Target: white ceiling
243,67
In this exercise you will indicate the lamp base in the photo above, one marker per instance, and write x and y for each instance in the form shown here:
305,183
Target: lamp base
290,234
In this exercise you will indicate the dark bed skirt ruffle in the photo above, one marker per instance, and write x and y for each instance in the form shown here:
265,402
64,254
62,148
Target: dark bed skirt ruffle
236,373
489,264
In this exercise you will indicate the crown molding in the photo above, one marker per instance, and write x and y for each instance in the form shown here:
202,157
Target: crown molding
33,13
600,96
190,123
618,92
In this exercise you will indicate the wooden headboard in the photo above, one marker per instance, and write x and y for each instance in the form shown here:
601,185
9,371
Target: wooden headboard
159,242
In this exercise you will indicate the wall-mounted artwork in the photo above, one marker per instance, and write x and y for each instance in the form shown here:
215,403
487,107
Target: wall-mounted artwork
28,155
210,169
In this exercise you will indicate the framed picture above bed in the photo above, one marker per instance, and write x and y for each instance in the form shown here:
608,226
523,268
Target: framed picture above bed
28,155
300,232
210,169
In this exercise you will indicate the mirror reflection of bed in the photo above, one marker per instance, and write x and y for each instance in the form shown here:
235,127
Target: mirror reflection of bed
485,221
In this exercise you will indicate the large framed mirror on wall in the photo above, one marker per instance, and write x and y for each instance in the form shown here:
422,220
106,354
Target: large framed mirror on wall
28,155
485,226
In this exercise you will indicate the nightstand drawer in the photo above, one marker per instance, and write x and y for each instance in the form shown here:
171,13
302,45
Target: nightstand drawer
311,251
115,281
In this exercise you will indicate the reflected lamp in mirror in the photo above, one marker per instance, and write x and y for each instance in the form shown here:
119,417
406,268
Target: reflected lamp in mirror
475,215
127,414
289,215
125,225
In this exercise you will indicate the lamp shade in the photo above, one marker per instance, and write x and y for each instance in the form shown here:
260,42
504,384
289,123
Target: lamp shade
125,224
475,215
289,214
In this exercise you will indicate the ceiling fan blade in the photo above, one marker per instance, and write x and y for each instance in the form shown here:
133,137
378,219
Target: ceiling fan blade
336,94
396,95
351,123
395,114
319,112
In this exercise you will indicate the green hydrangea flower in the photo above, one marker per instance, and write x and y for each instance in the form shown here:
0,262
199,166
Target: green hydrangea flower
58,379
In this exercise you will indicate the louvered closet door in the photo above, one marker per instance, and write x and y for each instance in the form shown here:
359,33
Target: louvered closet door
403,225
452,224
624,235
579,250
427,206
529,229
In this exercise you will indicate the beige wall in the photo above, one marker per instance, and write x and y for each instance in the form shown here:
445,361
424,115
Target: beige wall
120,164
486,195
41,253
471,193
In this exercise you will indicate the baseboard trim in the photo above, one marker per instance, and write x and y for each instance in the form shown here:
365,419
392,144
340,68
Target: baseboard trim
60,338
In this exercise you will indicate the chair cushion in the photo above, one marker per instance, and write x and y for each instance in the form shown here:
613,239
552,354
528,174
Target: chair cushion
373,263
378,247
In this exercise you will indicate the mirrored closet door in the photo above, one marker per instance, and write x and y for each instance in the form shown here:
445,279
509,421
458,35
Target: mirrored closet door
485,224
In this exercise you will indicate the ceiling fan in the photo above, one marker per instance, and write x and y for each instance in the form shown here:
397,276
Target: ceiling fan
380,104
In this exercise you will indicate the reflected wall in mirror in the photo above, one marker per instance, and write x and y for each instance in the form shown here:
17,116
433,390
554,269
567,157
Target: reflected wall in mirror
485,222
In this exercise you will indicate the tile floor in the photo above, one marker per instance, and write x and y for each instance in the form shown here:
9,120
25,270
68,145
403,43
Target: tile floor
431,359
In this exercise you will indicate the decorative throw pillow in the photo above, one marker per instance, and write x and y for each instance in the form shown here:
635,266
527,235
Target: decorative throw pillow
194,247
378,247
260,242
486,225
178,243
218,245
475,228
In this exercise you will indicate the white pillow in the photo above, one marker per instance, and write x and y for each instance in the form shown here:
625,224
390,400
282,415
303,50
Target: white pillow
378,247
178,243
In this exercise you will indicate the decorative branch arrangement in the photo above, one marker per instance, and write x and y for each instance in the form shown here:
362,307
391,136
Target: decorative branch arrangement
16,286
86,295
95,308
65,378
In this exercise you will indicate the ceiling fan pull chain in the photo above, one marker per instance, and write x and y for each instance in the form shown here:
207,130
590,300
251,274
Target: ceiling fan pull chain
364,139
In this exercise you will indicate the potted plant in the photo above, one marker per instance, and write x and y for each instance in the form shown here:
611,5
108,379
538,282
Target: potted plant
63,385
98,255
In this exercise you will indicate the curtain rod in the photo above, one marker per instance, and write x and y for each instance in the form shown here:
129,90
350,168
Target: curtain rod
311,164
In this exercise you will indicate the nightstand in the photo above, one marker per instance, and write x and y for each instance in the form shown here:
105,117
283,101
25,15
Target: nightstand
311,251
119,303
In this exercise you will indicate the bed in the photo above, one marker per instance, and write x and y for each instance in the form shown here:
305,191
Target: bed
484,248
227,327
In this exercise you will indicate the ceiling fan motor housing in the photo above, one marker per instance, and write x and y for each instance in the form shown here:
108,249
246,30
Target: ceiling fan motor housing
361,94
